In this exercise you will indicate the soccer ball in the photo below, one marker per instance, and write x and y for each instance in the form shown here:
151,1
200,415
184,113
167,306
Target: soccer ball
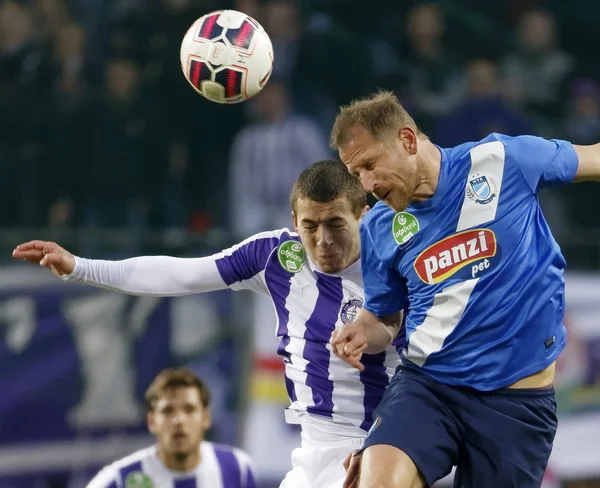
227,56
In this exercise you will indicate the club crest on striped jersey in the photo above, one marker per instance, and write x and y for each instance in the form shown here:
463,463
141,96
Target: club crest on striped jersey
137,479
291,256
444,258
481,189
350,309
404,226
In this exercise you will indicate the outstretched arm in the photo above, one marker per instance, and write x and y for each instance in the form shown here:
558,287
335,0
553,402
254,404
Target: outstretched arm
588,168
145,275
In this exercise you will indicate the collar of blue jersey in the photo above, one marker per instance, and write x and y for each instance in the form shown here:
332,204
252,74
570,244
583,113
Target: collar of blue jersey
438,195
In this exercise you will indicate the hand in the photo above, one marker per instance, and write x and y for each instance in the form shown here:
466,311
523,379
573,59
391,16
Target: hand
352,467
48,254
349,342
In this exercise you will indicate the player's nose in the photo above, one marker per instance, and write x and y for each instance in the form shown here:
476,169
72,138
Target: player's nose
324,239
368,181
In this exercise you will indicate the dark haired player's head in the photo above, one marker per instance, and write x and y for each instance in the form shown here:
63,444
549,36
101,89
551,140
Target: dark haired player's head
178,414
327,206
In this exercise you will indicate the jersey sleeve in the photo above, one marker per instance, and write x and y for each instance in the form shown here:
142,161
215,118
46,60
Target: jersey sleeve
241,266
106,478
385,290
543,162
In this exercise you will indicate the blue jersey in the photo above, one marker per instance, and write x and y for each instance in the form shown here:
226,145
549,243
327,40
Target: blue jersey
476,264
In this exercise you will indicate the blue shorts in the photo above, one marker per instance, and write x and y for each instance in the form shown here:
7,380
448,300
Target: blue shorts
499,439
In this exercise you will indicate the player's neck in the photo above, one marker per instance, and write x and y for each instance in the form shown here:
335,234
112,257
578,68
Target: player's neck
429,159
178,462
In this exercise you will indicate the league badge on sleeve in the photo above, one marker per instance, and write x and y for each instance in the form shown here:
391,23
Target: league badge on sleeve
481,189
291,256
138,479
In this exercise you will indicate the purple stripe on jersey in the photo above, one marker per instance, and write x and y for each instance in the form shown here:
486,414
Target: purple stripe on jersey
250,483
287,358
113,485
127,470
278,282
319,327
186,483
375,380
247,260
230,468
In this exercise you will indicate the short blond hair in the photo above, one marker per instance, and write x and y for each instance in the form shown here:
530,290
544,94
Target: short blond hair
380,114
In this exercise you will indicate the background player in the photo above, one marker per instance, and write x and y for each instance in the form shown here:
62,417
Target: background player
460,232
177,403
314,280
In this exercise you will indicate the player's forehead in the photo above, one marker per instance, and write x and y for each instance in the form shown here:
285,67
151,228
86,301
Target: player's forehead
311,210
359,148
178,396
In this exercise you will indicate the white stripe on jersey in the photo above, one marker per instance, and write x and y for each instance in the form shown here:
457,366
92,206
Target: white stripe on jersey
486,160
220,467
442,318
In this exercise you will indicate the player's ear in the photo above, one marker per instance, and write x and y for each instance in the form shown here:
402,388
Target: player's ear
151,423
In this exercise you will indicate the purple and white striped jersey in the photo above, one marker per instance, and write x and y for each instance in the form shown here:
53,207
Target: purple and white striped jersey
309,304
220,467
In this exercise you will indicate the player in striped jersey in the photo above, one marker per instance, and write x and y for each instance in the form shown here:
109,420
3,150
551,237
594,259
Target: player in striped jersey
313,278
178,415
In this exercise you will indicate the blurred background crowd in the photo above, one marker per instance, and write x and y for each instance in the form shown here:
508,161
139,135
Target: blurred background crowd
106,149
99,128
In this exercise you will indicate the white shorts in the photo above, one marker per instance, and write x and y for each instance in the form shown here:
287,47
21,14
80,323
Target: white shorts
320,464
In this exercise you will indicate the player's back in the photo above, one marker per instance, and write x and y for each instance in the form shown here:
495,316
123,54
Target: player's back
483,272
220,467
309,304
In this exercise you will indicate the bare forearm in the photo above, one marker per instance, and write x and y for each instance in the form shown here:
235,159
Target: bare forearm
380,331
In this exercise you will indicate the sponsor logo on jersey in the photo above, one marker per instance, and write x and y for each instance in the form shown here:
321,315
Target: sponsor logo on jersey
350,309
481,189
404,226
291,256
444,258
137,479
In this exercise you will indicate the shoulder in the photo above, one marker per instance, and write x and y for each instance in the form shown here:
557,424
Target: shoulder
229,455
134,458
270,239
109,475
379,215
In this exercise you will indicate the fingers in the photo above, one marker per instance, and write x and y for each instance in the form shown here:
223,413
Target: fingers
32,255
349,346
50,259
27,246
353,471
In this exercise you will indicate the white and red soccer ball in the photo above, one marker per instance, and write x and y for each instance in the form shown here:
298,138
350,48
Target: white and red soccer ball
227,56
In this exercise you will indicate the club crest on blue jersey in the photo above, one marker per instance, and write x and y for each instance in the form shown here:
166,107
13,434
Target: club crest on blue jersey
481,189
350,310
137,479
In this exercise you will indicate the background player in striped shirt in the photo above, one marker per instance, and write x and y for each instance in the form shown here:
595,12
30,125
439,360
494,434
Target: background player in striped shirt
313,277
177,403
459,237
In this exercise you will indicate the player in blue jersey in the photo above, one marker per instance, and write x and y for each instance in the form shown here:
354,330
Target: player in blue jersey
313,278
459,238
177,403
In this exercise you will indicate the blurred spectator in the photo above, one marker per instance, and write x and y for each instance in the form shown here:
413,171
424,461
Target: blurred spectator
434,81
25,97
583,116
118,144
484,110
538,70
266,158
